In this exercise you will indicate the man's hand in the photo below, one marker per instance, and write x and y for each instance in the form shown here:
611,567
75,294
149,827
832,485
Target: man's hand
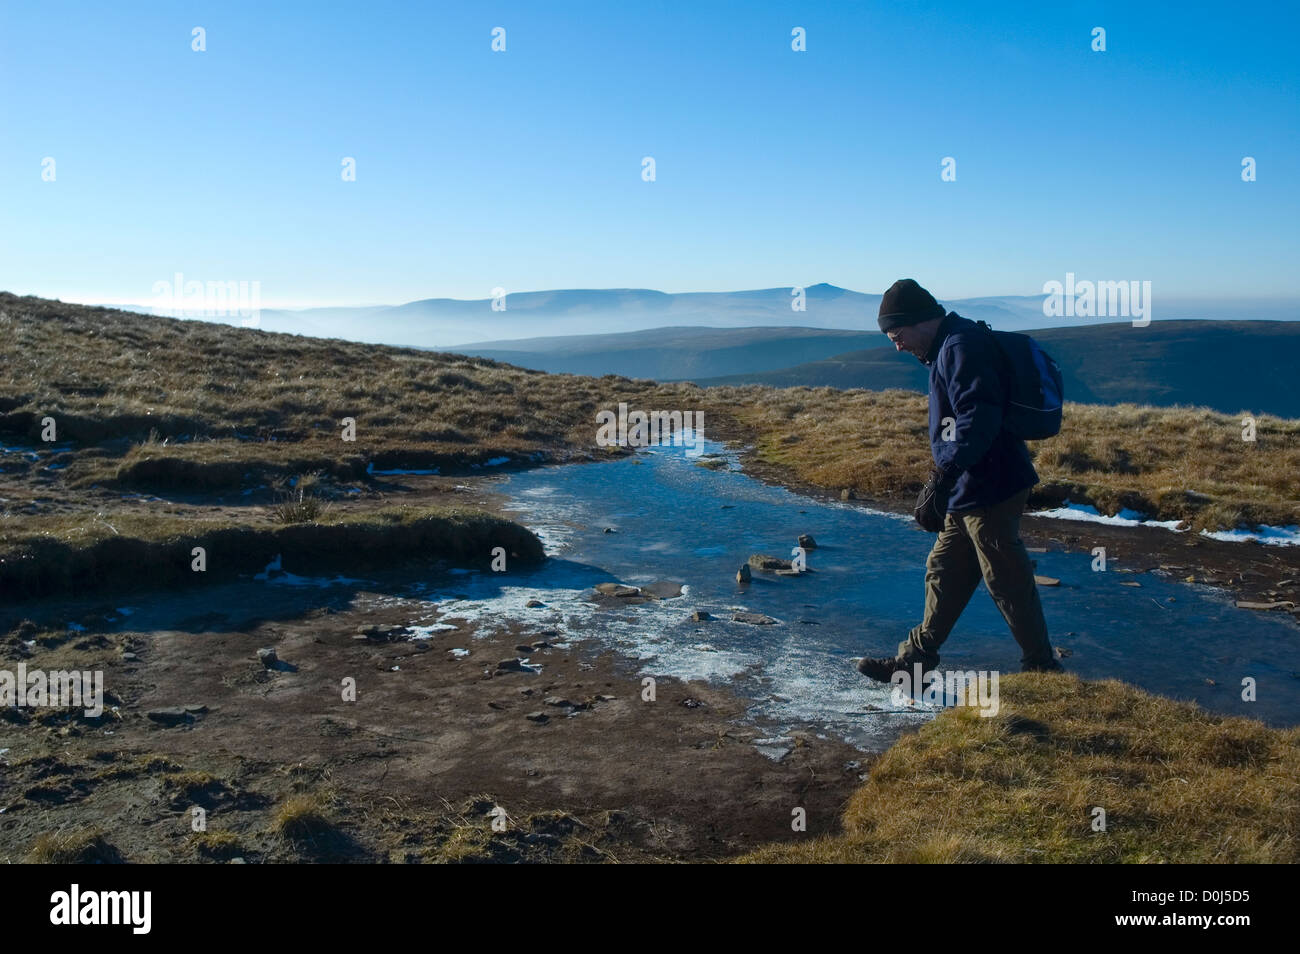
932,504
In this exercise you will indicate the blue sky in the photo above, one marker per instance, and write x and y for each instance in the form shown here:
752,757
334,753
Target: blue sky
522,169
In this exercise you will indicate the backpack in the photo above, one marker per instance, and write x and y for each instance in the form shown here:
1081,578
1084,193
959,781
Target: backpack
1033,410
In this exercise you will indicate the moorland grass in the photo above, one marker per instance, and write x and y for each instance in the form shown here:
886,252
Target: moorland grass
1178,785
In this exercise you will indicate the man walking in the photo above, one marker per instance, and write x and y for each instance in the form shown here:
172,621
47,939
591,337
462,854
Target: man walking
977,489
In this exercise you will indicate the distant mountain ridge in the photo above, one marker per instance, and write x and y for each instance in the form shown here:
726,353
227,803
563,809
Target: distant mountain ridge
444,323
1228,366
676,353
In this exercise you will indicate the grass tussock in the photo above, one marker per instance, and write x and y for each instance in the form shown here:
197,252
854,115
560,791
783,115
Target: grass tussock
216,845
1178,785
304,817
77,846
299,508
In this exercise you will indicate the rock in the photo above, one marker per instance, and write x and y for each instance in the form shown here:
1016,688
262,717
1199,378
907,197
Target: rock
692,703
174,715
743,576
1046,580
1277,604
559,702
761,561
196,709
807,542
1063,653
130,657
533,604
755,619
617,589
661,590
606,698
1129,583
268,657
790,572
540,644
700,616
512,665
610,530
848,494
541,718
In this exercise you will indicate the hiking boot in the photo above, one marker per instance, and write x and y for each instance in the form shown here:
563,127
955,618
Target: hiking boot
1049,665
882,668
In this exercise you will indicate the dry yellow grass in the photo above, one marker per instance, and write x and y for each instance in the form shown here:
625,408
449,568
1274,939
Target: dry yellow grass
1177,784
159,402
1168,463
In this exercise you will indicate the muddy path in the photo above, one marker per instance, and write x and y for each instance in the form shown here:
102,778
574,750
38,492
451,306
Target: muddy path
437,736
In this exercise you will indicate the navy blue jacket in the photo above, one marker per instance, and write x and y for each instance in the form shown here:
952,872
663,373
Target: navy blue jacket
969,382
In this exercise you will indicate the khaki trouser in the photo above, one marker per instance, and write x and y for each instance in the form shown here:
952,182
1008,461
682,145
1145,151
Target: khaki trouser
983,543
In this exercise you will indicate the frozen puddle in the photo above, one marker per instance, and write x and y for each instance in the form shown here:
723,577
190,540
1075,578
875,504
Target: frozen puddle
676,521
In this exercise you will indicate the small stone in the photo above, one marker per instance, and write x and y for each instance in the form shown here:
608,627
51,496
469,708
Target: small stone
848,494
743,576
610,530
268,657
541,718
1129,583
692,703
130,657
700,616
807,542
558,701
540,644
533,604
754,619
512,665
1046,580
524,648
